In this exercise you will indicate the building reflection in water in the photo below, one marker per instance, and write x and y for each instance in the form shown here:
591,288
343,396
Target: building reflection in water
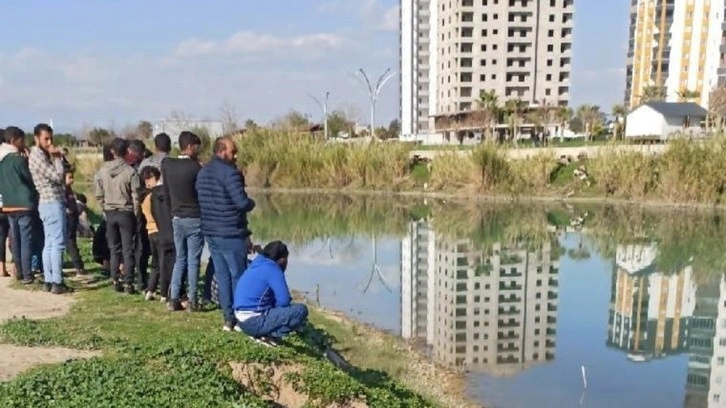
655,314
491,309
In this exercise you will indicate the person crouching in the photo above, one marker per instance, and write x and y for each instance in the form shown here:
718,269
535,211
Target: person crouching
262,300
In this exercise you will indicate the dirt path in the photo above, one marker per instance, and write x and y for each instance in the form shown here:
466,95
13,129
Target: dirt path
31,305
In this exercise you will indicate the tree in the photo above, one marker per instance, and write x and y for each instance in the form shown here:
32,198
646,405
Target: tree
514,108
205,150
251,124
292,120
590,116
228,113
717,106
688,95
564,117
652,93
619,113
338,122
100,136
488,103
145,130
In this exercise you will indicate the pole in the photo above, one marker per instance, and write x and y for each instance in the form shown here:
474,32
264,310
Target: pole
373,91
324,107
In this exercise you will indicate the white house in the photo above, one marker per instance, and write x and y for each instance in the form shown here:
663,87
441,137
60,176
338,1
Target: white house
664,119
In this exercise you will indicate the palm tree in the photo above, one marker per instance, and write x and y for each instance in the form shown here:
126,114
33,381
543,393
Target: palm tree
652,93
564,116
688,95
489,104
514,109
589,115
619,112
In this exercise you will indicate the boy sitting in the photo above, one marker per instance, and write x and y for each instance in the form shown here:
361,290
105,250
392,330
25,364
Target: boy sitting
262,298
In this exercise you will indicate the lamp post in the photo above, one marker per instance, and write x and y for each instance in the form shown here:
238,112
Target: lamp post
373,91
324,106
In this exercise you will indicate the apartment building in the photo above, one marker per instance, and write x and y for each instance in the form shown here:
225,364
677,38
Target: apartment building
452,50
677,46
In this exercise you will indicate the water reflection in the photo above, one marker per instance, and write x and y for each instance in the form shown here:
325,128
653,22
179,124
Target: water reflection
491,309
521,298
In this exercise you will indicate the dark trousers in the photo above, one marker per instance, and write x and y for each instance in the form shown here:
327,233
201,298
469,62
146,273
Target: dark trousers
72,243
22,245
120,232
38,242
143,253
4,234
162,265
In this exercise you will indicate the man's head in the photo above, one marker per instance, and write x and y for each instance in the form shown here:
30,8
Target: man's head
119,148
82,198
69,176
276,251
64,152
189,144
225,149
136,152
15,136
162,143
107,154
43,136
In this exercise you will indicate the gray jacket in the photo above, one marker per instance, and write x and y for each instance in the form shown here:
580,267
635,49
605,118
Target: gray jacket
118,187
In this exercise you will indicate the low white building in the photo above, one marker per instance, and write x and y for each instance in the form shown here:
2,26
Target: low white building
665,119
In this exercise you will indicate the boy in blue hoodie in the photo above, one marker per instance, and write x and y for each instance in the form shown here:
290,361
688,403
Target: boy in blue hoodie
262,301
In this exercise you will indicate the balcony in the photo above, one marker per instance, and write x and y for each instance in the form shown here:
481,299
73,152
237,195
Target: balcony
467,17
508,312
512,286
508,336
553,282
508,324
510,299
512,349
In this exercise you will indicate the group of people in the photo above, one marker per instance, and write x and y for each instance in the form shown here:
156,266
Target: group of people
158,213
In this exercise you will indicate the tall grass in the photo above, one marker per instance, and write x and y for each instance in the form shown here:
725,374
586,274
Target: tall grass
300,160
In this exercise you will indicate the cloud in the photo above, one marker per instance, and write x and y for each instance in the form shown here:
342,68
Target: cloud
391,19
249,42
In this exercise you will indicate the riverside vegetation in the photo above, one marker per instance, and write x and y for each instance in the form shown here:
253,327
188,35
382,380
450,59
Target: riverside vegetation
688,172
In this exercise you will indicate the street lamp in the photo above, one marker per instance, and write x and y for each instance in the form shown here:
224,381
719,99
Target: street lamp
373,92
324,107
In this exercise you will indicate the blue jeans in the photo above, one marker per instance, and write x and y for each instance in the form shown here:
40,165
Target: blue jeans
21,236
230,261
53,216
276,322
189,243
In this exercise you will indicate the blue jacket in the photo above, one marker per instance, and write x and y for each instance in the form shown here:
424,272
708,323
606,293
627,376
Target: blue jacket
223,201
261,287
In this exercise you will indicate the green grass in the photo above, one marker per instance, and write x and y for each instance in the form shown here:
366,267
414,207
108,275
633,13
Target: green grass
152,357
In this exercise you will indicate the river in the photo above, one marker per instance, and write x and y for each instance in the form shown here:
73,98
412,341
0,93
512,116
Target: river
548,306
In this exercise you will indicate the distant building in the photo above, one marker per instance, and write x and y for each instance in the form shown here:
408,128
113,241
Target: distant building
675,45
173,127
664,119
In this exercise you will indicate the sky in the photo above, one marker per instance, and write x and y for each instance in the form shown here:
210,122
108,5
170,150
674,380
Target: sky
103,63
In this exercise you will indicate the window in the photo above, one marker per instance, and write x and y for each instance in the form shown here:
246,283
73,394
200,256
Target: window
720,361
547,92
495,32
494,47
550,33
549,62
550,47
548,77
552,18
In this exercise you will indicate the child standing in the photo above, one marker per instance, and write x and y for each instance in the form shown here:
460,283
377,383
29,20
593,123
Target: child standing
72,216
156,208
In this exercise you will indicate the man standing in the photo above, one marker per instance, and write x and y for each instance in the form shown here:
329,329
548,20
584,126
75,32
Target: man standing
20,200
117,192
180,176
162,147
46,167
225,204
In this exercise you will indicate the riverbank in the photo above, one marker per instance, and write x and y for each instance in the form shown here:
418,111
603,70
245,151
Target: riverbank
149,357
683,172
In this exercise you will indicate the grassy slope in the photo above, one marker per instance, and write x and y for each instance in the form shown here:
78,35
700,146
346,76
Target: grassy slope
157,358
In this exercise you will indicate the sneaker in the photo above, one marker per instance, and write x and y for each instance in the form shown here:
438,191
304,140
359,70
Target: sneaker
48,287
193,307
118,287
28,281
59,289
149,296
265,341
163,299
130,290
174,306
230,326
